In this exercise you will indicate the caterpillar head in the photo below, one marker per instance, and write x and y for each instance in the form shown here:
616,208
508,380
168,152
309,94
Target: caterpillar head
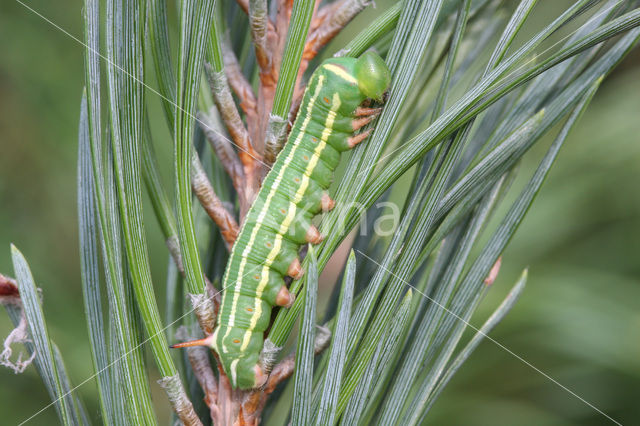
373,75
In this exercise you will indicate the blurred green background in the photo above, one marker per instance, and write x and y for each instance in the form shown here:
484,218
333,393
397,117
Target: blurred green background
578,320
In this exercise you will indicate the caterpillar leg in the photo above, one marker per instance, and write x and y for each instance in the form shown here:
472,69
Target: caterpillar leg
327,203
359,123
260,376
295,270
285,298
363,116
313,235
362,111
355,140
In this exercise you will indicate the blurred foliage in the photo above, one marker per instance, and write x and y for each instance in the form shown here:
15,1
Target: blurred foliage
579,317
578,320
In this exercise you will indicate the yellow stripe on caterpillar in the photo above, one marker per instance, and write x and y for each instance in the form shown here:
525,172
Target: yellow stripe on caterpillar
340,72
264,280
326,133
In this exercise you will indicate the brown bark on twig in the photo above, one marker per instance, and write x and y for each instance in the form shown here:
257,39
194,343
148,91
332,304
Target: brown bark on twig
283,14
232,120
325,25
206,308
258,20
179,400
329,20
276,36
212,204
224,151
239,83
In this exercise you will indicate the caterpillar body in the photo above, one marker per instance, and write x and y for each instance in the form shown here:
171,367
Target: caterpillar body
279,220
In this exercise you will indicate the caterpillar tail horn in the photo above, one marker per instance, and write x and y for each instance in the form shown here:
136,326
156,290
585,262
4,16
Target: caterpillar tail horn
207,341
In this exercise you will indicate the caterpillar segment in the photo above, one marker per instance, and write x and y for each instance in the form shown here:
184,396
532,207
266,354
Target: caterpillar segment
335,106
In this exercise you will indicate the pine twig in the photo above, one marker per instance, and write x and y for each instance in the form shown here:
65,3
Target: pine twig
258,22
232,120
206,307
179,400
224,151
239,83
284,14
328,22
212,204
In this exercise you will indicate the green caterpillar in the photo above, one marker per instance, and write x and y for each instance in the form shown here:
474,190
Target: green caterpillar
279,221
